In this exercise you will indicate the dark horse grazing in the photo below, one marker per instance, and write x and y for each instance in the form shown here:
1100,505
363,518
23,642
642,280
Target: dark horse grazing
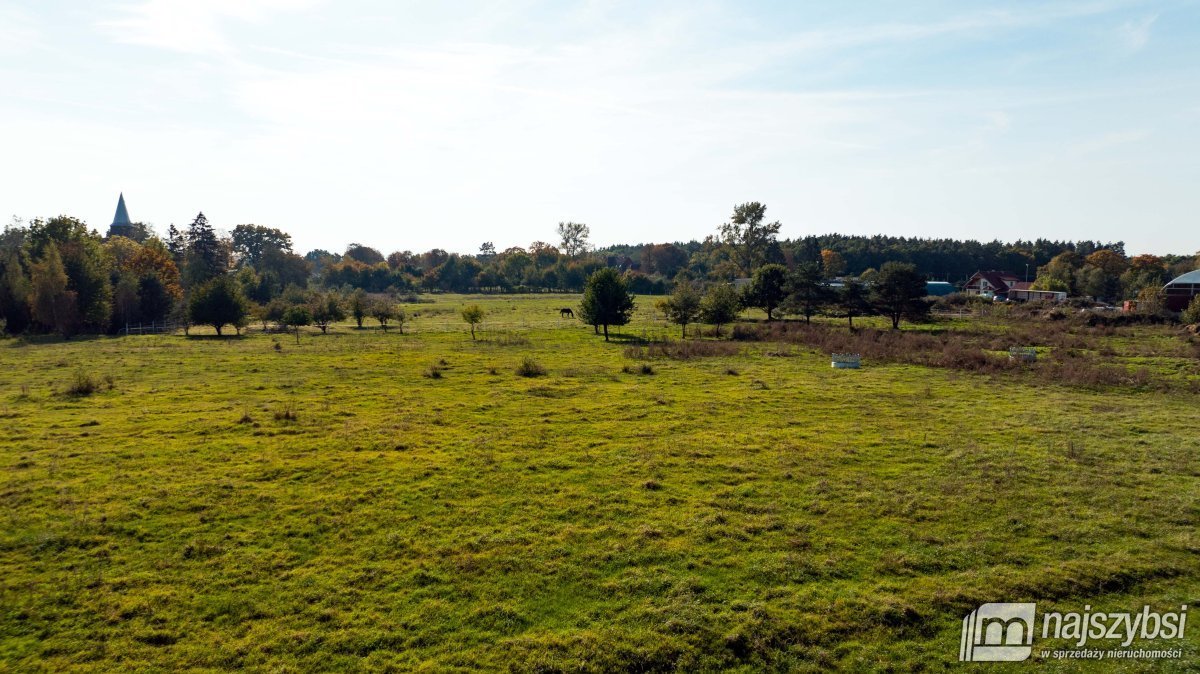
565,312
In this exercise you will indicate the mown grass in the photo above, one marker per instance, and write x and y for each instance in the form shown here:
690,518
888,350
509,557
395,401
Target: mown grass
251,503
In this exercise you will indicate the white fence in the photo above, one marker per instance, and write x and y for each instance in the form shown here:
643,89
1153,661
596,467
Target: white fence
153,328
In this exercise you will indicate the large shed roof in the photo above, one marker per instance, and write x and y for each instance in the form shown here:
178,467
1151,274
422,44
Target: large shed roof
1190,277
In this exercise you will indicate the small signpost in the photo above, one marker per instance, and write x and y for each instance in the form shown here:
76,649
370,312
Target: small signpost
847,361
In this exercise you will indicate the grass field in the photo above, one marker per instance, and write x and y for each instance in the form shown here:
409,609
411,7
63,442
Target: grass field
364,501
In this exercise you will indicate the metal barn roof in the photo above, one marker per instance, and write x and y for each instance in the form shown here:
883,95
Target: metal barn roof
1190,277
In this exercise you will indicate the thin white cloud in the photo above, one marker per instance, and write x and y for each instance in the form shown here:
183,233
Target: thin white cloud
1134,35
1110,141
856,36
999,120
19,31
190,26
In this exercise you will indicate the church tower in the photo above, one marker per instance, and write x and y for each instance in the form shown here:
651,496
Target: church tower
121,225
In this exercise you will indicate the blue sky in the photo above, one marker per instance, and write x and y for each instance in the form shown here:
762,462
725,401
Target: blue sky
411,125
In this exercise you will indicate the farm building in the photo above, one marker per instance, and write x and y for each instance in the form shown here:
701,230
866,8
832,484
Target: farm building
1005,286
990,284
1022,292
1180,292
938,288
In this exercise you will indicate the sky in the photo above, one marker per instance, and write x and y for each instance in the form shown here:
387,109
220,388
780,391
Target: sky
414,125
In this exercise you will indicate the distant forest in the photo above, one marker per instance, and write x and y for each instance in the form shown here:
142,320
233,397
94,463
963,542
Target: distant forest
58,275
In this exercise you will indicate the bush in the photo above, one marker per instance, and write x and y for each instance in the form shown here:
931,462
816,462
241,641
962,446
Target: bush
683,350
530,368
83,385
1191,315
1073,357
960,301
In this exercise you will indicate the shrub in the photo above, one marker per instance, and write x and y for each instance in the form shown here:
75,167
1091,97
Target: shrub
682,350
530,368
1191,315
82,385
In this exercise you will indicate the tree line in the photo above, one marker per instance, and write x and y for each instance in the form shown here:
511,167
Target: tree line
57,276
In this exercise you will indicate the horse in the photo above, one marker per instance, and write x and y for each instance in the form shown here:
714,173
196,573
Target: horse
566,312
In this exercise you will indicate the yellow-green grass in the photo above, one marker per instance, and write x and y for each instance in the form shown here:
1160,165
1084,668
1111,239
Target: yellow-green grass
746,512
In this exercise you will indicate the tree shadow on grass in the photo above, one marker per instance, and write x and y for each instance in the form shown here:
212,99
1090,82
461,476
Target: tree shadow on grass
20,341
628,339
214,338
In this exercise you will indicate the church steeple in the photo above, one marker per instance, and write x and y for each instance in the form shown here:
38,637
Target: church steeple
121,224
122,216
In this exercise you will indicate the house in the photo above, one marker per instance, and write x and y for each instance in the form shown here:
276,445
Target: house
1022,292
1179,292
994,284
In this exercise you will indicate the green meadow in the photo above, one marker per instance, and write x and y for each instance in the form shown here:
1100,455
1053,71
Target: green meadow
371,501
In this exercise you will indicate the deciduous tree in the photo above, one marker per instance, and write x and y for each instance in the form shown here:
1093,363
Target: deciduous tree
721,305
473,315
574,237
296,317
250,242
360,306
833,264
683,306
748,235
384,311
768,289
325,309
